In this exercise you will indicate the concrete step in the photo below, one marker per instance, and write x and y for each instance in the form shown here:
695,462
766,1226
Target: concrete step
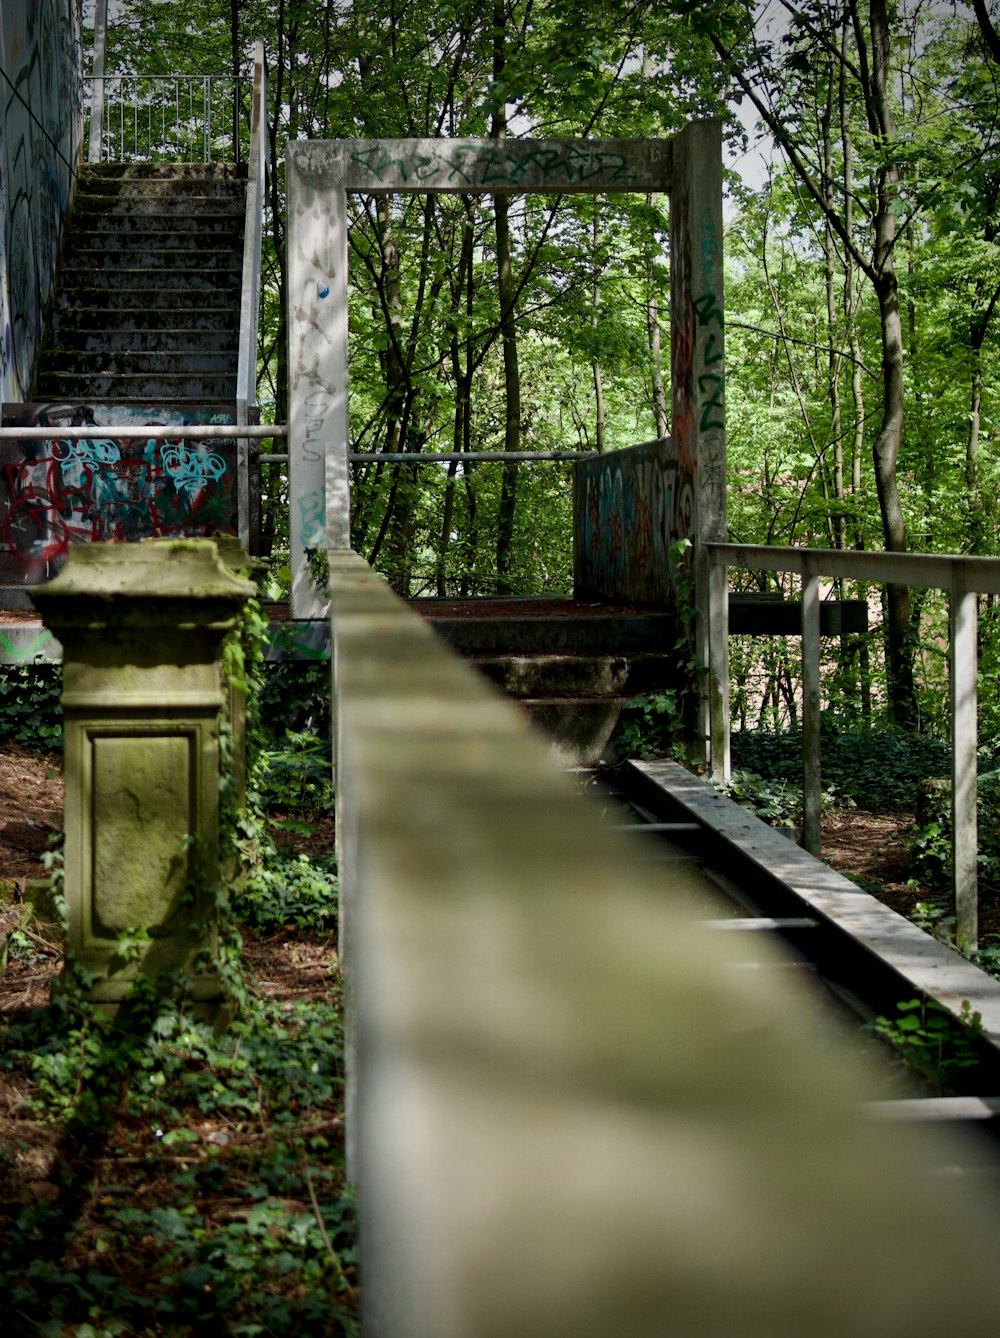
199,318
124,261
112,305
136,215
188,388
580,730
176,178
593,677
155,337
167,194
103,362
82,278
111,239
115,412
502,626
153,172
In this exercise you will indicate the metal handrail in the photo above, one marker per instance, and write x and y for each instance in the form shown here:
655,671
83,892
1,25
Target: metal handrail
246,373
136,431
963,578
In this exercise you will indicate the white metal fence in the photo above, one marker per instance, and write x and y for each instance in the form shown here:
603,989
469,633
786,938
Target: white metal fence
170,118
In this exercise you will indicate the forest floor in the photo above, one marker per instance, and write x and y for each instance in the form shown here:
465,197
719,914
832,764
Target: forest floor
31,815
154,1179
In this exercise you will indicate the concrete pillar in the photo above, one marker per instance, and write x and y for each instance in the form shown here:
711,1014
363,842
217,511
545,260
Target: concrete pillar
141,627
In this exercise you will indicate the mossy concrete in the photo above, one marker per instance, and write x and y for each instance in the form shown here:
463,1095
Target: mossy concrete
142,627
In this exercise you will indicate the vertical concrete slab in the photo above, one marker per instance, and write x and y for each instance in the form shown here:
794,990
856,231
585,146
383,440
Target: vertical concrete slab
319,483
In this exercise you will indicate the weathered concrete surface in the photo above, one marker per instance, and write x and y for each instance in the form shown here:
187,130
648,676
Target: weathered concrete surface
571,1114
141,627
483,626
579,675
572,664
488,166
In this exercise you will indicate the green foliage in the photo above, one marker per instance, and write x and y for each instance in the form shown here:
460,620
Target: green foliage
175,1118
295,774
293,697
30,712
288,890
650,726
879,771
777,802
929,838
932,1042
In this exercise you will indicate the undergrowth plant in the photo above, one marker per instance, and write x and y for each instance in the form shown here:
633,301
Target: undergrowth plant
30,711
880,772
932,1042
195,1181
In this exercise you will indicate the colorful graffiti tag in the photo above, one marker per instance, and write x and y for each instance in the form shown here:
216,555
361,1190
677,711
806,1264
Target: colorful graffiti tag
630,507
59,491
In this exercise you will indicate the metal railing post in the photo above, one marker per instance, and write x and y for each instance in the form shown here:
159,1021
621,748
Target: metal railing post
811,837
964,734
718,670
206,132
246,374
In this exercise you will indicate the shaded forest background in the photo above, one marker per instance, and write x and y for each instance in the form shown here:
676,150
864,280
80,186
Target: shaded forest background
862,278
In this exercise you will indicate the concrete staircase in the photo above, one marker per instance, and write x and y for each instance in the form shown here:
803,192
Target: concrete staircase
147,302
572,664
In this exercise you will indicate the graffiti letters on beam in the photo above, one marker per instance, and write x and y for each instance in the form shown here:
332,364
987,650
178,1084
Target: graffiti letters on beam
59,491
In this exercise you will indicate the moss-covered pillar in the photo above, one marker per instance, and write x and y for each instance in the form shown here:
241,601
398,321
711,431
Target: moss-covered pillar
235,653
142,627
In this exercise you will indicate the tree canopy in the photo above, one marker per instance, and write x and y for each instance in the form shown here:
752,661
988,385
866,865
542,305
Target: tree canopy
862,271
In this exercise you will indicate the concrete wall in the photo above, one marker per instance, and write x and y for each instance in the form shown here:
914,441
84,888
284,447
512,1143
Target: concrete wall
573,1111
629,507
40,130
60,492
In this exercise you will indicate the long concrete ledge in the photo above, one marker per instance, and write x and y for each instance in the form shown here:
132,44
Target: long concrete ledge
912,963
567,1115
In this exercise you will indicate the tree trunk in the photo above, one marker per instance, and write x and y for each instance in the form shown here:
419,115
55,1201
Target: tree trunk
885,452
508,335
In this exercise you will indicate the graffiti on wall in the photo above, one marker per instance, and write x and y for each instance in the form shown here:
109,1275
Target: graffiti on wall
630,508
40,58
59,491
